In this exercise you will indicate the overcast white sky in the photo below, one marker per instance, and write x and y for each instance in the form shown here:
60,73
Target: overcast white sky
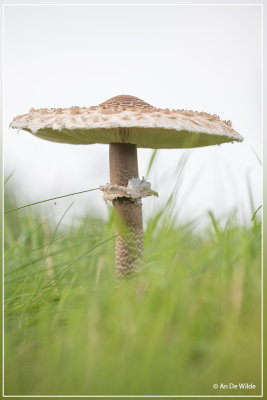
205,58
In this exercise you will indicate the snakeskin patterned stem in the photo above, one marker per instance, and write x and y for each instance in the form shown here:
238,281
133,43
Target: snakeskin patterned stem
128,212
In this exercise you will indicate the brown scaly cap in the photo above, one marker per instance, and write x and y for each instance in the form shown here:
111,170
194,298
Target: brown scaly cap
127,119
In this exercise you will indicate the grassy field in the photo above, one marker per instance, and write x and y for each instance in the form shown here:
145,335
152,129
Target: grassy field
189,320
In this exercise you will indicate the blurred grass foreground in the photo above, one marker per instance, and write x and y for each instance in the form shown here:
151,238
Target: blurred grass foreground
189,320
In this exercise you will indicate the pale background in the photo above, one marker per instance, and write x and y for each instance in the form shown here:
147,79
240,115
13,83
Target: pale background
205,58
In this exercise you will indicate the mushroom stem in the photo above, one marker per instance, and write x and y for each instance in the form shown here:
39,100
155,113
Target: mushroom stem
127,212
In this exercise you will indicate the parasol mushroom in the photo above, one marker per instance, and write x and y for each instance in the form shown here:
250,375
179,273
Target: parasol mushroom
125,123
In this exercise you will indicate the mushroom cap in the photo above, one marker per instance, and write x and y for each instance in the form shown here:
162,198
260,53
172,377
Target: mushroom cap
127,119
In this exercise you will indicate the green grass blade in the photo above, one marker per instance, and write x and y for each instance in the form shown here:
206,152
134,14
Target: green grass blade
53,198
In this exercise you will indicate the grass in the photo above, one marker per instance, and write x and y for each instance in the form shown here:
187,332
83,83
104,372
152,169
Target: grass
189,320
